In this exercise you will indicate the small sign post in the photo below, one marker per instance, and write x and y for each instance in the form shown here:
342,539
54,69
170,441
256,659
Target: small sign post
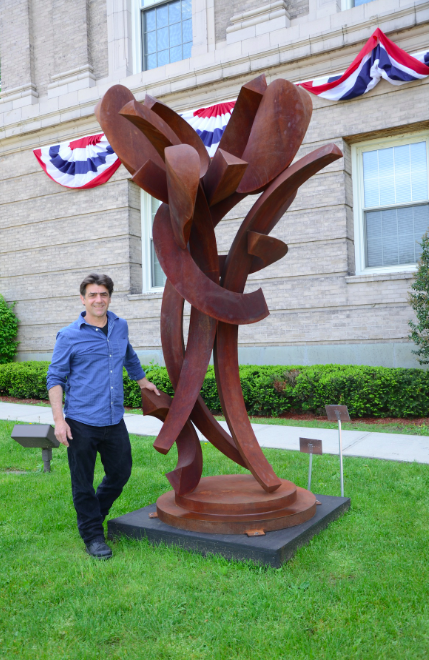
310,447
339,414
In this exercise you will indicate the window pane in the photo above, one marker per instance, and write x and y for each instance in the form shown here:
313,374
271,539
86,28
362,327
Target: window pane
393,235
163,58
186,9
187,31
154,206
389,229
386,180
150,20
174,12
176,54
370,178
395,175
187,48
175,36
151,42
158,277
162,16
162,39
151,62
167,33
419,174
402,174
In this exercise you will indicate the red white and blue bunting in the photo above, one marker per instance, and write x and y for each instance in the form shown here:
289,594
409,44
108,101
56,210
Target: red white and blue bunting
379,58
84,163
210,123
91,161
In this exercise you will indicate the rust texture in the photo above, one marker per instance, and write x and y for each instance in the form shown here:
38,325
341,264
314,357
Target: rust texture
168,160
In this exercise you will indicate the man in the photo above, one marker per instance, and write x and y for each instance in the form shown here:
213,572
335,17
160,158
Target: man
87,363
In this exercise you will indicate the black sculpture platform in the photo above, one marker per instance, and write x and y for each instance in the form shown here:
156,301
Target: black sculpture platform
275,548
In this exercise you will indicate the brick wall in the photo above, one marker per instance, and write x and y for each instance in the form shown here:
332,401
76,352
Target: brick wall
98,37
224,10
51,237
16,30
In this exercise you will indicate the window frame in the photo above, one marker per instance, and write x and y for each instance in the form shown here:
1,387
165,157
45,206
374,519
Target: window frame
358,150
151,4
350,4
146,225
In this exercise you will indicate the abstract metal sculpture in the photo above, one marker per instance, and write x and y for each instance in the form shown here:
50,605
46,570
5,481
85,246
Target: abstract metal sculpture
167,158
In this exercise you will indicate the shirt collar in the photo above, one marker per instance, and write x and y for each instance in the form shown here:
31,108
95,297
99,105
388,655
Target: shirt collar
111,316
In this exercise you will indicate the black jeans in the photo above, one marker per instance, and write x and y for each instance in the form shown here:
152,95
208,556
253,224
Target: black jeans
113,445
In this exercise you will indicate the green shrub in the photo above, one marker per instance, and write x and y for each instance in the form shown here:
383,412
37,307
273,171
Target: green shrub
24,380
8,331
271,391
419,301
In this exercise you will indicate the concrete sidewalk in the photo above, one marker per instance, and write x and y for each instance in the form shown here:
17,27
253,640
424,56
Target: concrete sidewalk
388,446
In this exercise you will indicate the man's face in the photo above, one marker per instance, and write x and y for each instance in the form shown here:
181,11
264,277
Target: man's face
96,300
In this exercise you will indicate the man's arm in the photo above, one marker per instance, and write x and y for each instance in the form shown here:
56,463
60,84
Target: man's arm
62,429
56,379
135,371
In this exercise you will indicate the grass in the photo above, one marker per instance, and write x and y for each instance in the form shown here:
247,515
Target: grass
359,590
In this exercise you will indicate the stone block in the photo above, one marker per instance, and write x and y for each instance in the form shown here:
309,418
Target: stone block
273,549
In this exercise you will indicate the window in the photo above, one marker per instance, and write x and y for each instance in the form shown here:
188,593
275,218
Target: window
153,275
391,202
166,32
349,4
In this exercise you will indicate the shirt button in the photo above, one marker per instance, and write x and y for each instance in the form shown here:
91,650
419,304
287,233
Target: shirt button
111,388
110,356
111,371
96,329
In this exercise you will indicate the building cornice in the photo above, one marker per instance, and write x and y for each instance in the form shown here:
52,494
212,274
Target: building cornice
229,63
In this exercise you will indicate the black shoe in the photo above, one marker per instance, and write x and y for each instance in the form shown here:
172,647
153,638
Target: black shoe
99,549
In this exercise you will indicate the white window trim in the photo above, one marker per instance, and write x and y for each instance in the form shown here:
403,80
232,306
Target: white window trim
357,178
146,223
348,4
203,29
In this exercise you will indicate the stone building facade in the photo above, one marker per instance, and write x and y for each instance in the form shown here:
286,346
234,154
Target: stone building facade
327,302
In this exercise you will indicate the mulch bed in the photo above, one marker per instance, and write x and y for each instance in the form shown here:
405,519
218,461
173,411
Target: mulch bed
299,417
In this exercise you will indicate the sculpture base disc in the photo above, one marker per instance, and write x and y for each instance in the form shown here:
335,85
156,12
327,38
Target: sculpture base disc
236,504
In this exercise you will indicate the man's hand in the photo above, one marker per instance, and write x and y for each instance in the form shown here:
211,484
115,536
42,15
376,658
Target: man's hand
144,383
63,432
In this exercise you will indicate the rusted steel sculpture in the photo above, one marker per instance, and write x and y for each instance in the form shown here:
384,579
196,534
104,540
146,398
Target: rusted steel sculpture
166,158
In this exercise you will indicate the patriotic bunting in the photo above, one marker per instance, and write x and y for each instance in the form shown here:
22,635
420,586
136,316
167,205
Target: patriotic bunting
210,123
91,161
379,58
84,163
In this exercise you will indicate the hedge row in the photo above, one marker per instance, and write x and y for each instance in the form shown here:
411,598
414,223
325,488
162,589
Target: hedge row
272,390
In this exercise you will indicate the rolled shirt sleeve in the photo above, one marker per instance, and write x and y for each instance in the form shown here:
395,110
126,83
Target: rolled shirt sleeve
59,369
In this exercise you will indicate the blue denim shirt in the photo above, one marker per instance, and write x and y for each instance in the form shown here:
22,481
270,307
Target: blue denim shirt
88,366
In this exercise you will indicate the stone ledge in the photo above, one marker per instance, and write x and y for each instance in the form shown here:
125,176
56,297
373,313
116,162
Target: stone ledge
149,295
260,14
380,277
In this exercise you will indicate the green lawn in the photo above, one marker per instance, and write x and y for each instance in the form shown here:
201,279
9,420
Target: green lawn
358,590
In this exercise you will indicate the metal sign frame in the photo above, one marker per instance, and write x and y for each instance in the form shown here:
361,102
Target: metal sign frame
308,446
339,414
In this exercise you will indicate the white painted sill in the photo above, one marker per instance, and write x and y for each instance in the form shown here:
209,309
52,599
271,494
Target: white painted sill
380,277
149,295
